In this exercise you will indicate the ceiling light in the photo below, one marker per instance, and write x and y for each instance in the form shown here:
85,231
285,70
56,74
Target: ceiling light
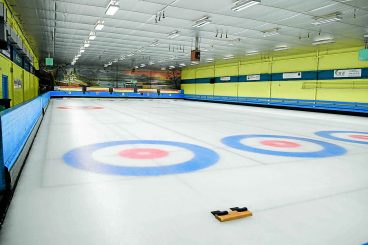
78,55
99,25
243,4
325,19
366,36
171,67
115,60
182,65
92,35
209,59
136,67
271,32
112,8
130,54
174,34
122,58
229,56
154,43
86,44
281,48
252,52
151,63
143,65
202,22
326,40
82,50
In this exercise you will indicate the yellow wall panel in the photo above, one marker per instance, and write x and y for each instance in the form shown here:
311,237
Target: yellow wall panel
343,90
205,72
341,61
255,68
188,88
226,89
292,90
227,70
188,74
18,91
26,87
295,65
204,89
254,89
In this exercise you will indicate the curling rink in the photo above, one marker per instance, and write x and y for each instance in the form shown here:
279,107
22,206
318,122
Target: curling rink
135,171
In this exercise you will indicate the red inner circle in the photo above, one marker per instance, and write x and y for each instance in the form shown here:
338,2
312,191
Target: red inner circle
143,153
359,136
280,143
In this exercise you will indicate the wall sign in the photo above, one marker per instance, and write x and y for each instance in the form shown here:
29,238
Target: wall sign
225,78
18,83
348,73
292,75
253,77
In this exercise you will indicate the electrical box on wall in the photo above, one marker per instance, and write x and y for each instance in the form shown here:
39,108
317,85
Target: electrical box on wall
363,55
195,55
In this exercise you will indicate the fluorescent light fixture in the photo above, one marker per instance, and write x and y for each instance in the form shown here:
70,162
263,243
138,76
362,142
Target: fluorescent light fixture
326,40
78,55
154,43
174,34
194,63
151,63
366,36
130,54
136,67
115,60
243,4
326,19
182,65
229,56
281,48
112,8
252,52
110,63
143,65
82,50
209,59
271,32
202,22
99,25
122,58
87,44
171,67
92,35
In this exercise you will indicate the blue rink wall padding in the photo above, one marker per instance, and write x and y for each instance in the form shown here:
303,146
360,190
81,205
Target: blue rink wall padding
115,95
16,125
296,103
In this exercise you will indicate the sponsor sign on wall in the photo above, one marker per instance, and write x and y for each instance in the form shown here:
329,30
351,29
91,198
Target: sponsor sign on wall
253,77
348,73
292,75
18,83
225,78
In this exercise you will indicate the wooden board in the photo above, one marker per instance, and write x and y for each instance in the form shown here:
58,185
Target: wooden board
233,215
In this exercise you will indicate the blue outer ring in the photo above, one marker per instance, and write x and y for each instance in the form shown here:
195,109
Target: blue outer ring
328,150
82,158
328,135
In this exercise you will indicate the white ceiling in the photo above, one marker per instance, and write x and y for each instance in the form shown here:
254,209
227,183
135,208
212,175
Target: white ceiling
134,27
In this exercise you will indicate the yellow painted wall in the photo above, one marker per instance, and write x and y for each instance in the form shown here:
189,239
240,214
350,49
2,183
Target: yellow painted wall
30,82
18,92
188,88
344,90
204,89
254,89
226,89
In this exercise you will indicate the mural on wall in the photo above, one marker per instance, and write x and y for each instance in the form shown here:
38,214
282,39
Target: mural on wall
118,78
